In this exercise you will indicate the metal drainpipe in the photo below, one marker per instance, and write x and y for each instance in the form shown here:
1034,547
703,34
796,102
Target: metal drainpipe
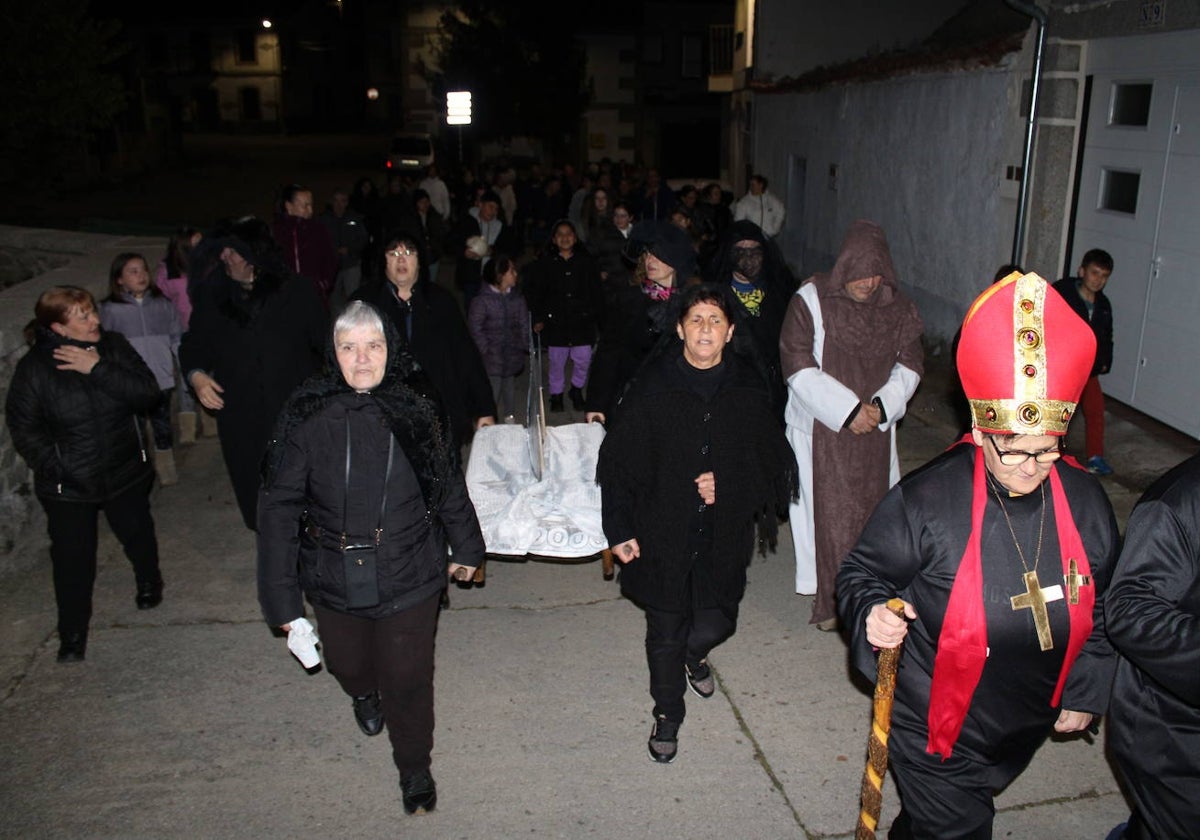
1030,10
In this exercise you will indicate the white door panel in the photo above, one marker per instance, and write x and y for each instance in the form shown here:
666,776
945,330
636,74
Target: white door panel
1155,286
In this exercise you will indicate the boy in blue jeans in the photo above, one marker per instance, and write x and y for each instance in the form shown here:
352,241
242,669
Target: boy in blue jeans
1085,294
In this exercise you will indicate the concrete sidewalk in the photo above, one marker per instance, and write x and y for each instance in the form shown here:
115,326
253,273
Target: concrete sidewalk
192,720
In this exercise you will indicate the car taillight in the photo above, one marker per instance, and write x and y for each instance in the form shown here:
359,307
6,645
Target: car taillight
388,165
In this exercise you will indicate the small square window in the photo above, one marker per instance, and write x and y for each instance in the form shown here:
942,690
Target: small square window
1119,190
1131,104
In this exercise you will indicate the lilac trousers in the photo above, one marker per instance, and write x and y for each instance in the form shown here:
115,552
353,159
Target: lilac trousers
581,358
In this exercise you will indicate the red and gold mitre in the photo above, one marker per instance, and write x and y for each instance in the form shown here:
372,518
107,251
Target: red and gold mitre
1024,358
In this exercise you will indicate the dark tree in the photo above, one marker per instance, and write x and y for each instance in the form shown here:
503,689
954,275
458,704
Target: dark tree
522,63
55,83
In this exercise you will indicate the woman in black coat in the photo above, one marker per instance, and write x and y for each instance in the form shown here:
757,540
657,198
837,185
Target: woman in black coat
680,508
639,315
255,333
73,411
360,498
431,327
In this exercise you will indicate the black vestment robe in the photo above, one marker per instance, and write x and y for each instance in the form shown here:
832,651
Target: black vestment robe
911,548
1153,616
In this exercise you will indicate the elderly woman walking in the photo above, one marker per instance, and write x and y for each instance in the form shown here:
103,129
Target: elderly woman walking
361,503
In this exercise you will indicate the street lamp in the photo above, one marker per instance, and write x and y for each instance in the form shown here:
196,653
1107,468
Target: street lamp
458,112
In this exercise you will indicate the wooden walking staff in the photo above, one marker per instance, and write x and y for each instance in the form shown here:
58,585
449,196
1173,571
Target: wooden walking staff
871,795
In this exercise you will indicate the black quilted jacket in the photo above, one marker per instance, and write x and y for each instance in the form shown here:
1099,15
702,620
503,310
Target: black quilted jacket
79,432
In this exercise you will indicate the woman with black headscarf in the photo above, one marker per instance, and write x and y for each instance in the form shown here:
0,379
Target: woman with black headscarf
754,270
256,332
361,499
640,314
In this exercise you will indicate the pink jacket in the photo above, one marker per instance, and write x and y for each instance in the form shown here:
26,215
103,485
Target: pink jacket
176,291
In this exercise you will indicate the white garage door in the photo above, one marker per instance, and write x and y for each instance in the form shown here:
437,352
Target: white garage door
1139,199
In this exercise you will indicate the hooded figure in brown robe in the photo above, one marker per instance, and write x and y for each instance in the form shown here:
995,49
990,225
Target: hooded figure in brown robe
851,353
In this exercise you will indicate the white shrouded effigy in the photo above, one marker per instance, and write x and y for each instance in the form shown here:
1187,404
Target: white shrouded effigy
554,515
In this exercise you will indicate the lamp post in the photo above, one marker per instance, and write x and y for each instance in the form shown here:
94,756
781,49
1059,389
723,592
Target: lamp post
458,112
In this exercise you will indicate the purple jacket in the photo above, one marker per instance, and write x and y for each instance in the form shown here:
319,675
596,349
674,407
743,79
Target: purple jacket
499,323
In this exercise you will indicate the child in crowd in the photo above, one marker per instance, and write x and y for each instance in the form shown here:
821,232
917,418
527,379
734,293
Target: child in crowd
566,298
1085,294
138,310
171,278
498,319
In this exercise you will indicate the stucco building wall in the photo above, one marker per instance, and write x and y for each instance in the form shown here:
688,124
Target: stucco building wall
925,156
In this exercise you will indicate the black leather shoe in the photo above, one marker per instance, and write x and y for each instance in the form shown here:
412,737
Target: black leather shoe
556,402
576,396
72,646
368,713
419,792
149,594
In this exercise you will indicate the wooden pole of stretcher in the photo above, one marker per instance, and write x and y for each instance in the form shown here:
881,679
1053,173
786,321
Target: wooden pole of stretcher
871,794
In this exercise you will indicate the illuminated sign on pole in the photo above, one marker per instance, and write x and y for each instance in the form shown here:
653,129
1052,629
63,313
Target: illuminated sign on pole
458,107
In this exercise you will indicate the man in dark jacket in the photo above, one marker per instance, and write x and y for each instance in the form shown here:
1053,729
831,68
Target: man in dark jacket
1085,294
477,237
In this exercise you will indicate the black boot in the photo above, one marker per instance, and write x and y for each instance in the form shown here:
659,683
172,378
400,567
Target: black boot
369,713
149,594
72,645
556,402
419,792
576,396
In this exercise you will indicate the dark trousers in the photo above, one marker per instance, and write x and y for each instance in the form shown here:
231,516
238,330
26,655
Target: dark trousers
393,656
673,638
160,420
942,801
73,539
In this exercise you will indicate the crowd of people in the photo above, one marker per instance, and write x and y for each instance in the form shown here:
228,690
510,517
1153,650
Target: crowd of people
346,374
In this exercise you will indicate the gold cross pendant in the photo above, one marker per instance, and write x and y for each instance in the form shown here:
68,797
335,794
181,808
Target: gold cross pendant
1035,599
1074,580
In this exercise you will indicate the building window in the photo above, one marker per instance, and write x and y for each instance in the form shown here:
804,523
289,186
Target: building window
691,49
200,48
1131,104
1119,190
247,46
250,104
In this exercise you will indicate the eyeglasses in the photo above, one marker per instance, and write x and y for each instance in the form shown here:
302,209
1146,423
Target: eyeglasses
398,252
1015,457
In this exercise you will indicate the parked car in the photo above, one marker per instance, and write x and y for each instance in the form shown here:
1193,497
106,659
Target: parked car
410,152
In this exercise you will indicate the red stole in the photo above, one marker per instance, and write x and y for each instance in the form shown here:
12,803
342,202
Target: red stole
962,645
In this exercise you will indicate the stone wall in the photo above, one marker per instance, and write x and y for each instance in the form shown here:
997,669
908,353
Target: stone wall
58,258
